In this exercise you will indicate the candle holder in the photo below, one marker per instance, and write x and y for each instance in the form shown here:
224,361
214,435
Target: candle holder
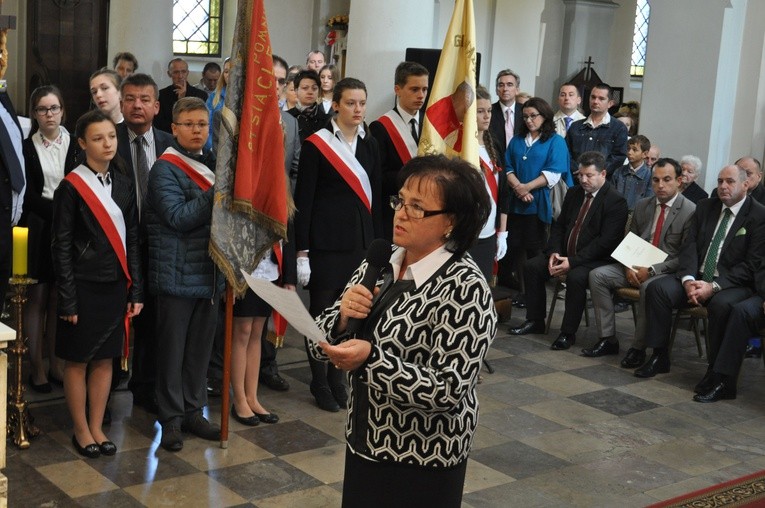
20,424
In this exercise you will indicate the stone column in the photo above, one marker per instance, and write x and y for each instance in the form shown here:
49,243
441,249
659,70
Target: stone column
703,87
378,36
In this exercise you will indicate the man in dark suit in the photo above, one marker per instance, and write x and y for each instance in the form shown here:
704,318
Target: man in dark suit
506,113
664,221
398,131
725,356
178,70
138,146
717,267
589,228
12,183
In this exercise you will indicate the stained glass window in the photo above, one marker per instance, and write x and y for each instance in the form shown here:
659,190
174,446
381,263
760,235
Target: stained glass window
197,27
639,38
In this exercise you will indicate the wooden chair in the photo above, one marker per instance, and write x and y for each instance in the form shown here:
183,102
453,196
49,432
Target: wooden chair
560,287
694,314
632,295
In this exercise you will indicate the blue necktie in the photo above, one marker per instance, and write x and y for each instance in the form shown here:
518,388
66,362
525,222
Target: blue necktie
568,121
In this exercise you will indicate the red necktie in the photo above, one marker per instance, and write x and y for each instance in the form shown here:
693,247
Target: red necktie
574,236
659,225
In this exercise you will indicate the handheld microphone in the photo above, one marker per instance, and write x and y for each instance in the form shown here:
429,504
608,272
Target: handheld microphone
378,257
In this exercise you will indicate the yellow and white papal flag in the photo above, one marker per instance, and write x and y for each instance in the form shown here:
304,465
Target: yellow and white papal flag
450,118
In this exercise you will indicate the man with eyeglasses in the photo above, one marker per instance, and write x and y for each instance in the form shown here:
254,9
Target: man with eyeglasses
178,71
139,145
182,276
506,116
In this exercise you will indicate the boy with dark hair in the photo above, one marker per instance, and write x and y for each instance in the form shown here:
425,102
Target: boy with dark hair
633,180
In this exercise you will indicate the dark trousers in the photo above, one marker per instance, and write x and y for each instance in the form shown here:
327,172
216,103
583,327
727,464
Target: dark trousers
323,373
536,275
368,484
746,319
144,365
185,332
668,293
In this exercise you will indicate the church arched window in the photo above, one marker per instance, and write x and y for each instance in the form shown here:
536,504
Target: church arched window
197,27
639,38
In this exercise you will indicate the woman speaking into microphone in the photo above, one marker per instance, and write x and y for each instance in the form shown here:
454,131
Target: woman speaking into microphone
415,363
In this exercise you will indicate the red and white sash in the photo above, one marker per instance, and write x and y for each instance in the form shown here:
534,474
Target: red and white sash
107,213
345,163
400,134
198,172
490,172
109,216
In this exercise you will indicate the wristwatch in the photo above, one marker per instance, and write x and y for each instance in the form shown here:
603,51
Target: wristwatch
651,271
715,287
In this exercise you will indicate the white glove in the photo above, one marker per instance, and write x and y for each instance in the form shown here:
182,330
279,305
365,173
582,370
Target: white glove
501,244
303,271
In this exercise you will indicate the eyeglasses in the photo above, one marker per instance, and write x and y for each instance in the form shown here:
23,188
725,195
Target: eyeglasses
192,125
526,118
413,211
53,110
281,81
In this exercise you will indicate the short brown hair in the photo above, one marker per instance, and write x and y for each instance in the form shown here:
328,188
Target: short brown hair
188,104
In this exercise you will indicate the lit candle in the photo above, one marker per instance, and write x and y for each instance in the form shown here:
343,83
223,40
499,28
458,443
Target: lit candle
20,244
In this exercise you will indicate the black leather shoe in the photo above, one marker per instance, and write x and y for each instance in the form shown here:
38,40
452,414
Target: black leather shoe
214,387
720,391
519,301
633,359
107,448
267,417
324,399
656,364
41,388
753,351
250,421
274,382
602,348
172,440
706,383
528,327
341,396
198,425
563,342
90,451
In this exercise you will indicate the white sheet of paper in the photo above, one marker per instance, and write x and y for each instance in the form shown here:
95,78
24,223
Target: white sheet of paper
288,304
634,251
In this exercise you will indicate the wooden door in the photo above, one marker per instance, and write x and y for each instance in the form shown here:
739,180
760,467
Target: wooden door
66,42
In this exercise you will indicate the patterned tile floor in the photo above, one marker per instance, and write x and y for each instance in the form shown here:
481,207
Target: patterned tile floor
556,429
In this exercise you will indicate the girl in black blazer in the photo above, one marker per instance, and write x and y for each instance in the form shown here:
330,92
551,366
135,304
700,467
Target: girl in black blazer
338,201
49,154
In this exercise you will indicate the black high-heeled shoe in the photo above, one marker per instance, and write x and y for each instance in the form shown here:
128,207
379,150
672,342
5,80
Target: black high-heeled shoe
250,421
91,451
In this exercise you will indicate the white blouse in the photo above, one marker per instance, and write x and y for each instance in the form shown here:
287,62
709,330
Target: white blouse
52,155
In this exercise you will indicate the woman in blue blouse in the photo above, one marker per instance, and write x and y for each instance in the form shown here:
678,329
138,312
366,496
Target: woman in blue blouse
536,159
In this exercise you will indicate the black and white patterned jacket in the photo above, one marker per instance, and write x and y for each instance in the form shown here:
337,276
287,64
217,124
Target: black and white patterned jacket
414,400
